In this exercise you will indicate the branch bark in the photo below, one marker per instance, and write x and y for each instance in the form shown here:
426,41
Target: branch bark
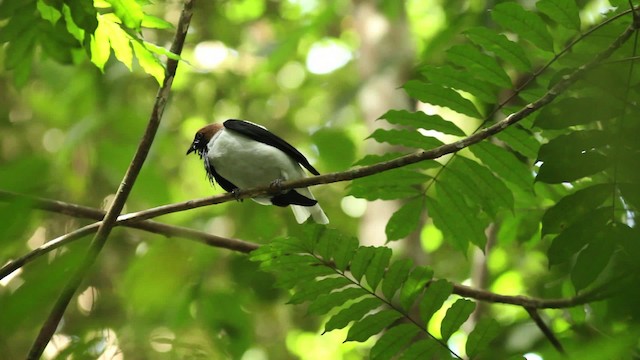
104,228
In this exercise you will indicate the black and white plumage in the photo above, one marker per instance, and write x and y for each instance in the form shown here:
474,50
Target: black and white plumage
239,154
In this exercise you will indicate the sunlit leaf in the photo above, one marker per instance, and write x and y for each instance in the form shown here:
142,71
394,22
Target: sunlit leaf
129,11
149,63
153,22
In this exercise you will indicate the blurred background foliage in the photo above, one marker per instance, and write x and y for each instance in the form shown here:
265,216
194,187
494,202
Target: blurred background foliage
318,73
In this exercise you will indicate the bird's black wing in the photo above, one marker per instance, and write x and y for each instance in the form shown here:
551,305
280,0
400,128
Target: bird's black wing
212,174
264,136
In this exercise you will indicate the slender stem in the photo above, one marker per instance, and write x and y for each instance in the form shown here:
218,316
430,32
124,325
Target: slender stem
51,323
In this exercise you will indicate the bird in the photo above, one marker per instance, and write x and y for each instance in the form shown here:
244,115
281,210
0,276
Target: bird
239,154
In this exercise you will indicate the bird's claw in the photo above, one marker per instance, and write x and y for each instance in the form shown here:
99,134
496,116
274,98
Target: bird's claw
236,194
276,185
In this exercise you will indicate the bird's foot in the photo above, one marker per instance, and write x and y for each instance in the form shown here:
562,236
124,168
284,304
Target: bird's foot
236,194
276,186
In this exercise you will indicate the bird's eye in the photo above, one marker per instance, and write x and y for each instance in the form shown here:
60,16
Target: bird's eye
199,136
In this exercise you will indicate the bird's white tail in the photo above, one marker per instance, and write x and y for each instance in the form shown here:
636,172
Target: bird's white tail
302,213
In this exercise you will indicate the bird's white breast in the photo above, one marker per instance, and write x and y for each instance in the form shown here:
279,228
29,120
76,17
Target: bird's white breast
248,163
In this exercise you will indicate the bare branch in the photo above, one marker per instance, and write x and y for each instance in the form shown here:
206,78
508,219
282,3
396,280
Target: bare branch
104,229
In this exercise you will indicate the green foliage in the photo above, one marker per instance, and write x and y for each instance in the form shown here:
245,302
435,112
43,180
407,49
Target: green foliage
553,200
372,312
64,28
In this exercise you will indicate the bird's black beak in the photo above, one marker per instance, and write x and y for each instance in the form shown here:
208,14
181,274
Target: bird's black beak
194,147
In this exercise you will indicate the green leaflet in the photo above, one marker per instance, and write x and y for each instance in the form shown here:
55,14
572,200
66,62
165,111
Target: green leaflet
395,277
361,261
326,302
527,24
423,349
481,65
479,184
405,220
564,12
571,111
434,297
499,45
129,11
393,341
307,291
573,156
458,221
479,339
410,138
570,241
504,163
371,325
571,207
414,285
419,120
520,140
592,260
352,313
441,96
464,81
457,314
377,266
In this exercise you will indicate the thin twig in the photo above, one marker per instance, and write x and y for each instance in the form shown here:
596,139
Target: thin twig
51,323
548,333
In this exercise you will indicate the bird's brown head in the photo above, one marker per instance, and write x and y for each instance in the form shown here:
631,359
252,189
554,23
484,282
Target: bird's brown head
202,138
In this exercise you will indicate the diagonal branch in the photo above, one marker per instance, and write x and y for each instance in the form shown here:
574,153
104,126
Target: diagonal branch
51,323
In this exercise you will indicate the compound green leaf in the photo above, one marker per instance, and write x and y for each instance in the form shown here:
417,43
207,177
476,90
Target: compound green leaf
361,261
571,207
504,163
324,303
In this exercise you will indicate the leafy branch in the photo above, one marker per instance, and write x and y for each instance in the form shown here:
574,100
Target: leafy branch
104,228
